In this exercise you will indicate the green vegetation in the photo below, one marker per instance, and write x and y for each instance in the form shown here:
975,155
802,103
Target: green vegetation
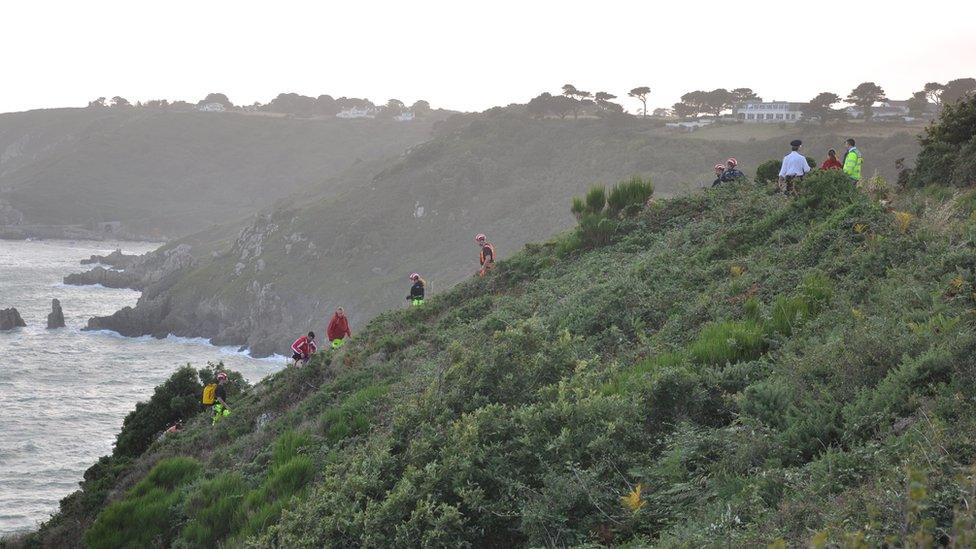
948,153
732,368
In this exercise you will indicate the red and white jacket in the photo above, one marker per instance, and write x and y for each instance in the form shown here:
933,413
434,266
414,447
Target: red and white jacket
303,346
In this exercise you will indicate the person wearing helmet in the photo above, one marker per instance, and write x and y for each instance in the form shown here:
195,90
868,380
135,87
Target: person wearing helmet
416,296
719,170
303,348
338,329
220,408
731,171
487,254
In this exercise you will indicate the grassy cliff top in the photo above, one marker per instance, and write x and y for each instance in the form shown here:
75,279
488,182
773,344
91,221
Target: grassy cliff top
732,368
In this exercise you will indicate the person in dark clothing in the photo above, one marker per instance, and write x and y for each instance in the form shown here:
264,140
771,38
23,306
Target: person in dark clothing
719,170
731,171
417,290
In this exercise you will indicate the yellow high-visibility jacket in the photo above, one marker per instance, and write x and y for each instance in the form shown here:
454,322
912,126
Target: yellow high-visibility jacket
852,163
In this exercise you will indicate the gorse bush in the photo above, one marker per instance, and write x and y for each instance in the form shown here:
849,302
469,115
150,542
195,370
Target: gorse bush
177,398
212,508
768,171
948,155
145,516
628,197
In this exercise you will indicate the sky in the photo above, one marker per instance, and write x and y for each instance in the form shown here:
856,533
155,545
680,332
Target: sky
470,56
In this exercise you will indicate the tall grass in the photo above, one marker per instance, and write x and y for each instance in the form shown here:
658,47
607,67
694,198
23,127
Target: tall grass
352,416
628,197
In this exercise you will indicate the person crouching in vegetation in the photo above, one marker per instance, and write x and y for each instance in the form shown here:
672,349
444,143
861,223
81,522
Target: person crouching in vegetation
719,170
794,168
731,171
338,328
416,296
220,407
831,163
303,348
487,254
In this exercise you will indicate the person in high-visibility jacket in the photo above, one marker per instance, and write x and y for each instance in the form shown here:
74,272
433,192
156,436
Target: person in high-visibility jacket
852,161
220,407
487,254
417,290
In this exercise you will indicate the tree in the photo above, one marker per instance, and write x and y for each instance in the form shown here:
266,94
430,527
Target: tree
741,95
718,100
395,106
822,107
420,108
217,98
325,105
119,101
604,100
685,110
157,103
933,90
641,94
97,103
581,97
293,103
918,104
959,89
661,112
865,96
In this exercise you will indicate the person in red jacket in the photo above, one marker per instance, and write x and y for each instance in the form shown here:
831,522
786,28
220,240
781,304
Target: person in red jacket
338,328
831,163
303,348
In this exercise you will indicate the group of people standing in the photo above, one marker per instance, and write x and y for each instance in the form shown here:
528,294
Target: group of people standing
338,330
795,164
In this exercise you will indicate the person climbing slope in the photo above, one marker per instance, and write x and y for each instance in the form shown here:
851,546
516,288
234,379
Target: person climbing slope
416,297
338,329
303,348
220,407
487,254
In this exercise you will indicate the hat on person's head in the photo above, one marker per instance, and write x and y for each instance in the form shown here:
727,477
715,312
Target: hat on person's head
796,143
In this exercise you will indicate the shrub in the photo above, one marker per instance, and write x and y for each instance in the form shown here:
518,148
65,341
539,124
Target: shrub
145,517
352,416
826,189
262,506
212,508
596,230
948,155
596,199
177,398
768,171
730,341
629,197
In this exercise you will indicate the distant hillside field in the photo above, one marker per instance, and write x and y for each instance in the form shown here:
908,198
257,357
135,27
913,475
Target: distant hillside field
506,175
166,174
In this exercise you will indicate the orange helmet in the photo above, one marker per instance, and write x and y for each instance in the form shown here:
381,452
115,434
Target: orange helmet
221,375
480,238
733,162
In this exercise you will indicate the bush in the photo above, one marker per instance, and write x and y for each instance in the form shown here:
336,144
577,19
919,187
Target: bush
768,171
596,230
629,197
596,199
145,517
212,508
177,398
730,341
948,155
826,189
352,417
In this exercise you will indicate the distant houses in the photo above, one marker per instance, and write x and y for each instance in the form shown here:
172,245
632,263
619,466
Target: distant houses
211,107
766,112
357,112
405,116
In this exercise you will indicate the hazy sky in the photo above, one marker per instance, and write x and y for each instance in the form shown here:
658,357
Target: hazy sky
473,55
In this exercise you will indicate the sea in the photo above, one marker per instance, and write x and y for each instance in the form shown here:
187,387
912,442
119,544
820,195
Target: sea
64,392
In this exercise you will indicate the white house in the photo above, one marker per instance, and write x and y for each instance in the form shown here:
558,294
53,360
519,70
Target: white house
691,125
356,112
405,116
768,111
211,107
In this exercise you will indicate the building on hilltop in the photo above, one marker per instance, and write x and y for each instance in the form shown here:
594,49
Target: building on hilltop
405,116
356,112
768,111
211,107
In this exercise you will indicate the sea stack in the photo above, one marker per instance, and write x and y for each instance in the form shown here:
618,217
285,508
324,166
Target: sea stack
56,318
10,319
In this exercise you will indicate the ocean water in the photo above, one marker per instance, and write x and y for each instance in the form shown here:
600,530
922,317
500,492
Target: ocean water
63,393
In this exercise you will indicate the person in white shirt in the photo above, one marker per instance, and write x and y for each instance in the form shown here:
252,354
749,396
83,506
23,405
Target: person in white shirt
795,166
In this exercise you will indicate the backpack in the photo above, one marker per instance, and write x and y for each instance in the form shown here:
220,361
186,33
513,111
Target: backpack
210,394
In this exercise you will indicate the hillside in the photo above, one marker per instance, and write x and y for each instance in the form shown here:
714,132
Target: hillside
733,368
505,175
168,174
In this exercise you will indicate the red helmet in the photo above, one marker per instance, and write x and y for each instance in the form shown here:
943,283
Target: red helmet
414,276
732,161
719,166
480,238
221,375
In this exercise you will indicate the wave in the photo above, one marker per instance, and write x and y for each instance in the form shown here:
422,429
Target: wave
224,349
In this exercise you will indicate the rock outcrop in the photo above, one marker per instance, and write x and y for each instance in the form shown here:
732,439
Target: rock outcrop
10,319
56,317
134,272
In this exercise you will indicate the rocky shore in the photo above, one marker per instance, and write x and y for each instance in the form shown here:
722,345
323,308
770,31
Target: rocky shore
134,272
